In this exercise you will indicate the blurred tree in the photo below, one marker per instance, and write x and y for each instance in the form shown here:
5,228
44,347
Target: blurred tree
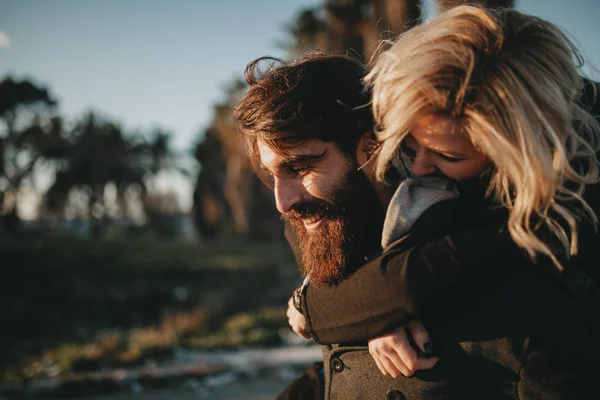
160,155
492,4
211,211
357,27
307,32
354,27
228,197
100,156
24,109
162,210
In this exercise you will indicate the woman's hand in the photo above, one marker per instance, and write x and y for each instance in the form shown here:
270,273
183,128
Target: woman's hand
394,354
297,320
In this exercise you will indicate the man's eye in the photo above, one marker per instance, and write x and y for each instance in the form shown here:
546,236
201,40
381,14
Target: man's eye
301,170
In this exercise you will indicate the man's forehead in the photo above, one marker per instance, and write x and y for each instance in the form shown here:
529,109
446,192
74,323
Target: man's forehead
270,155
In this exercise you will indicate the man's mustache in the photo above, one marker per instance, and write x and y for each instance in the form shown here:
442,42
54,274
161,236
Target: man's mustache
307,209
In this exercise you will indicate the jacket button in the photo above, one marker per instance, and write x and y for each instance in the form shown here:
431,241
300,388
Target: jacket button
395,395
336,364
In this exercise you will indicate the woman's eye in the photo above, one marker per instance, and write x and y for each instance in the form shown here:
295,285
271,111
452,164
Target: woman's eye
407,151
449,158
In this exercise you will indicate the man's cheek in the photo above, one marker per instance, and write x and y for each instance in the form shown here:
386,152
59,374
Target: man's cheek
321,192
312,186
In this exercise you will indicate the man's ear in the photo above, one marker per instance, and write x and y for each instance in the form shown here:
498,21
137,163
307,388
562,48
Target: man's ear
365,147
364,150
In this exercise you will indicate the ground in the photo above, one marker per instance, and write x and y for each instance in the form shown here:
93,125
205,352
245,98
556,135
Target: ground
72,305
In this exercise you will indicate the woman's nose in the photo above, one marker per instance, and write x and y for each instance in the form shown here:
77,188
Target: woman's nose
422,164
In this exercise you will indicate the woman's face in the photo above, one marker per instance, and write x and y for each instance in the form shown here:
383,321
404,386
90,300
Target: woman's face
437,147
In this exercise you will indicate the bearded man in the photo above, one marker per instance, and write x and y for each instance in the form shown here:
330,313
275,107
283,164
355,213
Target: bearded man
303,124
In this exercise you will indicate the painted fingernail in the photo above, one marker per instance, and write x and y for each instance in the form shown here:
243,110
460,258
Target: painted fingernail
428,349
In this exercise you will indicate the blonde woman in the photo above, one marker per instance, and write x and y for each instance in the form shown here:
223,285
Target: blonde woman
492,101
471,91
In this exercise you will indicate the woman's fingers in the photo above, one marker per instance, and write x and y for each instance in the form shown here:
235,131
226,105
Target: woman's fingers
406,358
413,362
394,352
420,337
380,366
390,367
384,351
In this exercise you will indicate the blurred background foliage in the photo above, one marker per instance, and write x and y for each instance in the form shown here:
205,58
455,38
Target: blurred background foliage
113,268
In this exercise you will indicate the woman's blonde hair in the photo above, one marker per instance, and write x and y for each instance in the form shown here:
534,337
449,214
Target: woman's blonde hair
511,82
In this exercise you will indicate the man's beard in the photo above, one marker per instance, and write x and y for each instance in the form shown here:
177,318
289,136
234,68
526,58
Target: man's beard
352,230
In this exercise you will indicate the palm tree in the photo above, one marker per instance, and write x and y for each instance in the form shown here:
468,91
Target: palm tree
211,210
228,197
351,26
306,32
98,154
444,5
356,27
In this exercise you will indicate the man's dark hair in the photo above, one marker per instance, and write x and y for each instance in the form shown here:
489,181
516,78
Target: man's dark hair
320,96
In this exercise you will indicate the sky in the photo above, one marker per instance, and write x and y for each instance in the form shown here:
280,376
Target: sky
164,63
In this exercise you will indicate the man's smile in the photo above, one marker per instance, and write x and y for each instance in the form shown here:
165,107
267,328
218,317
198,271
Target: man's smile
314,221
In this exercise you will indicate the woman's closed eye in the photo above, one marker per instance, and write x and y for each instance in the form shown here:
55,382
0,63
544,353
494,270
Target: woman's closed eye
407,151
411,153
449,158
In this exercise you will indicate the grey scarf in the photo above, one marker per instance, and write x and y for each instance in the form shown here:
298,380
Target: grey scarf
413,196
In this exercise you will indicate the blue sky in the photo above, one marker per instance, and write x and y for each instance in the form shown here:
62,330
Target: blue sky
144,62
150,63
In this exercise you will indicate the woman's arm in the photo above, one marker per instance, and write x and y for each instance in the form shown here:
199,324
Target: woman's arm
431,280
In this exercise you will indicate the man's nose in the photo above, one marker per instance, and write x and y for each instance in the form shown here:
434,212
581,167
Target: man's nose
423,165
288,192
